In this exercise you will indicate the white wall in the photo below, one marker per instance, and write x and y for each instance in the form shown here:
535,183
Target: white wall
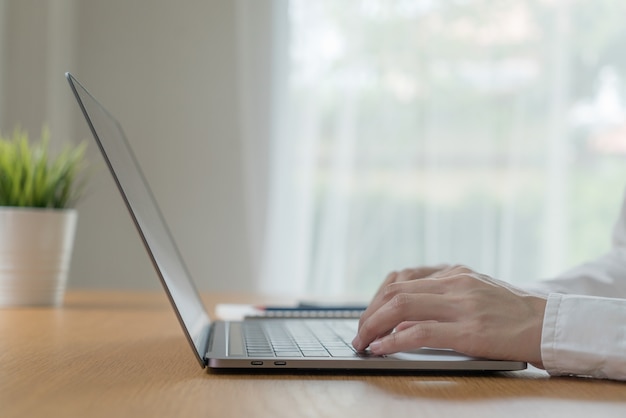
169,72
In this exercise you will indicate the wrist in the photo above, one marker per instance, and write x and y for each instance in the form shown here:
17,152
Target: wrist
537,305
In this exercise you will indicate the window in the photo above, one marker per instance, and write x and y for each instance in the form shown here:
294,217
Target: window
488,133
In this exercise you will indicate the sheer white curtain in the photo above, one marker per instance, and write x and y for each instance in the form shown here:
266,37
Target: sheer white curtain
420,132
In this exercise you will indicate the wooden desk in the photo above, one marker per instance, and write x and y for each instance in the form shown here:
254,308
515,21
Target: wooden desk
114,354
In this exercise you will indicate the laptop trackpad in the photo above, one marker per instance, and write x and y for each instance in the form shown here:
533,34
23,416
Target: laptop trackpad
430,354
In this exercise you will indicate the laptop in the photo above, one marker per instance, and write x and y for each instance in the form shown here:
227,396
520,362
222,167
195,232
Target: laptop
252,344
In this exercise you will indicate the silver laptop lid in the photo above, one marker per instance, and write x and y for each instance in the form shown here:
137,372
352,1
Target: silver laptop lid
147,217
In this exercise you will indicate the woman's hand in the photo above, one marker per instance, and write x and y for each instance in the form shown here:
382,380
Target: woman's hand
454,308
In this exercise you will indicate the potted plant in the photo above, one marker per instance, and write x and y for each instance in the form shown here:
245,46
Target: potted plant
37,218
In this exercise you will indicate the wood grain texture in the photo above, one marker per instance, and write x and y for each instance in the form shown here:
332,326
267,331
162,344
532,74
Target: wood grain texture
121,354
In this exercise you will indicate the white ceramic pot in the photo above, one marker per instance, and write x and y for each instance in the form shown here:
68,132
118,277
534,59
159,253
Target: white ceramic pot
35,252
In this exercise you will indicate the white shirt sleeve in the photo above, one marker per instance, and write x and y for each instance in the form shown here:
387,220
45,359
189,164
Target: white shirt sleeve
584,329
584,336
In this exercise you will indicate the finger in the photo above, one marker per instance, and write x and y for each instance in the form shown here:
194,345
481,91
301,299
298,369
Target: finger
422,286
416,273
402,307
399,276
409,324
388,289
406,324
448,271
409,274
439,282
391,278
424,334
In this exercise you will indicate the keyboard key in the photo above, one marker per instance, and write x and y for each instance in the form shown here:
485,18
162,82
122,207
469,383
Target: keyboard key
296,338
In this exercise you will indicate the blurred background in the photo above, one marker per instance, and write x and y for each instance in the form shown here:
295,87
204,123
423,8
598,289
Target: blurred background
309,148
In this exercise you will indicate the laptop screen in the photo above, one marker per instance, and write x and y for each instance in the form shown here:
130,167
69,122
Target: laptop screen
147,217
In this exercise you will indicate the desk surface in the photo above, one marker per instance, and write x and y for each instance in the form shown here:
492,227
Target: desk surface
123,354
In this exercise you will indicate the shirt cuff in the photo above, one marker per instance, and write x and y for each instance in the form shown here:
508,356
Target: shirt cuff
584,336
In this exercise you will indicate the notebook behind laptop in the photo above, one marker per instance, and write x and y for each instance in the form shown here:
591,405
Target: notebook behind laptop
244,344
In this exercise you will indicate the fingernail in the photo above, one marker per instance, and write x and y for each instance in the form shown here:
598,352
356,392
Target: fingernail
356,343
376,346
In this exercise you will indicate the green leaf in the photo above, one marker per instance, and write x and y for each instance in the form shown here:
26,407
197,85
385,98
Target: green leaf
29,177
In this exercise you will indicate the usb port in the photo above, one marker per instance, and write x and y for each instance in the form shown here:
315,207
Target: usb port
280,363
256,363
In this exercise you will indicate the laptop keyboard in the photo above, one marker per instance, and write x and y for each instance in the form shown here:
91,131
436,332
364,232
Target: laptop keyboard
299,338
